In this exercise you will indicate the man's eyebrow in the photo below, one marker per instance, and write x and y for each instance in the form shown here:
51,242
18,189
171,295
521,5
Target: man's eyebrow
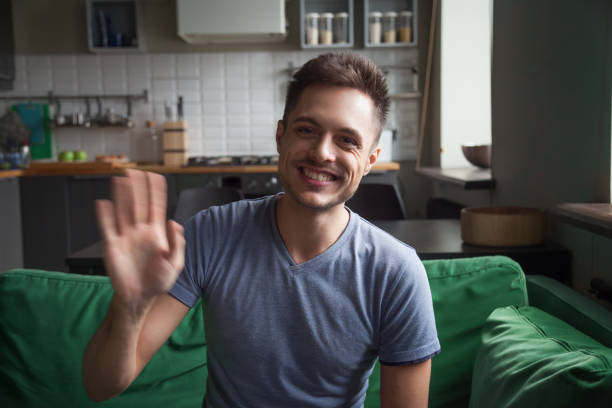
312,121
307,119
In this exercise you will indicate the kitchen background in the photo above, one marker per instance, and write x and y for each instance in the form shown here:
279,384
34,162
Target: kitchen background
232,100
551,86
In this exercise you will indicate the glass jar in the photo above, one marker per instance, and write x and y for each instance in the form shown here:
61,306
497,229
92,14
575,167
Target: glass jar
325,28
375,26
312,28
388,24
341,28
405,26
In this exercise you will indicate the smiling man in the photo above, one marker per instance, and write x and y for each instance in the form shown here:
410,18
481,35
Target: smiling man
301,295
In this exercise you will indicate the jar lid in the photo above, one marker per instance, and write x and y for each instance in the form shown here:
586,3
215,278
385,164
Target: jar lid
405,13
375,14
312,15
390,14
327,15
342,14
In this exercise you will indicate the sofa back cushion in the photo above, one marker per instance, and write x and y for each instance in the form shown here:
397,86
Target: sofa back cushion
46,321
465,292
529,358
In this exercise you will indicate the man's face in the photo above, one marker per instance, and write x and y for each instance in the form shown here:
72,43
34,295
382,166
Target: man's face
327,145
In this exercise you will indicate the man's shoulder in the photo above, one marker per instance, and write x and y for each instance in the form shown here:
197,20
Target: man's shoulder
371,235
238,209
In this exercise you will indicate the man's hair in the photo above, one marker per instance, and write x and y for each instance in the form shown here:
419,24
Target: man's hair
346,70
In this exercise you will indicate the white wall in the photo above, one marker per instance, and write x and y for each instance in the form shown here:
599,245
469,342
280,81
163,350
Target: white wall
232,100
465,77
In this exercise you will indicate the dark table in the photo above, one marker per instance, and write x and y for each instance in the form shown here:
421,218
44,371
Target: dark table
432,239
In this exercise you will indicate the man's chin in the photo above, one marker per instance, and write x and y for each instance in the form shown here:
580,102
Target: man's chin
316,202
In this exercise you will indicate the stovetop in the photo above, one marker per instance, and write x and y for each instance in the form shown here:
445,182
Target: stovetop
231,160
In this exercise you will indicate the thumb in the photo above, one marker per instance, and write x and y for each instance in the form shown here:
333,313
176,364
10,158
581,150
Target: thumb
176,242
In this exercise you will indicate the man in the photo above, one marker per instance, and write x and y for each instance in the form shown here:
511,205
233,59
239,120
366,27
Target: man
300,294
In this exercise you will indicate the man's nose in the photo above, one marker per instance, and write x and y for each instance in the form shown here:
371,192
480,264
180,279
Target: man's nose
323,149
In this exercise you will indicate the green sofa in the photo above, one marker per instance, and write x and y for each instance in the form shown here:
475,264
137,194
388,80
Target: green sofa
507,341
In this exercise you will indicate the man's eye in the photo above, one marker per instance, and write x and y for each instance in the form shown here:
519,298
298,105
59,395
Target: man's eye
305,130
349,140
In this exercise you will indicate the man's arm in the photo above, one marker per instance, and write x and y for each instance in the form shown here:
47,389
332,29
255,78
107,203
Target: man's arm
143,256
122,346
405,386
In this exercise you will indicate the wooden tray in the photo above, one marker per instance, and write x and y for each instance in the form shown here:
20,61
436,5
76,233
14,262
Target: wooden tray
77,167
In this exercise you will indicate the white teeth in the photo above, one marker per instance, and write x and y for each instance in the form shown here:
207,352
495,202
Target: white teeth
317,176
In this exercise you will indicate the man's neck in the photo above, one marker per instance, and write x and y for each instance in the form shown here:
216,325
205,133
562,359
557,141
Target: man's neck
308,232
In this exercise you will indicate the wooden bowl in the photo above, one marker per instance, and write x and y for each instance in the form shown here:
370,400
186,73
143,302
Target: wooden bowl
502,226
477,154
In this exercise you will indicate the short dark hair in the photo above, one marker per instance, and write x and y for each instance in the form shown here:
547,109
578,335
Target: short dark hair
341,69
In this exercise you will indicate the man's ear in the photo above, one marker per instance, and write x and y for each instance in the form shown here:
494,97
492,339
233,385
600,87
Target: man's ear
280,130
371,160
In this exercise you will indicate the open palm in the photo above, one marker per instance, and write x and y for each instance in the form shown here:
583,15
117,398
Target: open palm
143,253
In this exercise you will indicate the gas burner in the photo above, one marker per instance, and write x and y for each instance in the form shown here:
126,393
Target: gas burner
246,160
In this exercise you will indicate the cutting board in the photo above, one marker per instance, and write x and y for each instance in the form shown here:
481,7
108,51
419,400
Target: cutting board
36,117
78,167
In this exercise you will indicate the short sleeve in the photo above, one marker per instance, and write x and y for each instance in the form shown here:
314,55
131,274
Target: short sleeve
408,329
188,286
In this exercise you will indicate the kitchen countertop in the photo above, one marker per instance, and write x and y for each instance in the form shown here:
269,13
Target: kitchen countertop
388,166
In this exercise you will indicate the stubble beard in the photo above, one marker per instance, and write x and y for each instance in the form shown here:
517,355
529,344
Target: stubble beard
341,199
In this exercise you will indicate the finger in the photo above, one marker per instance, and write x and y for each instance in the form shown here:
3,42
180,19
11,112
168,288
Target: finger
176,242
157,198
139,183
123,202
106,219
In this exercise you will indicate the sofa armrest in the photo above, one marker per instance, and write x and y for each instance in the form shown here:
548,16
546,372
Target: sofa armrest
574,308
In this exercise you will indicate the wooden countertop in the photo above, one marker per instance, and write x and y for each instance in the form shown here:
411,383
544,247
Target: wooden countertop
10,173
91,168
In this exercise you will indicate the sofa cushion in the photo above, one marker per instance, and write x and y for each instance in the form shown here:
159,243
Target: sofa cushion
529,358
570,306
46,321
464,291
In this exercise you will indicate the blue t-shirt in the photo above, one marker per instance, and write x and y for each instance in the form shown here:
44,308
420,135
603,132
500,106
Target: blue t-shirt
285,335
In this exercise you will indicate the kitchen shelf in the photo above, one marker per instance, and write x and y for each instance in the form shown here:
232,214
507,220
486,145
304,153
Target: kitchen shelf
594,217
390,5
322,6
114,26
51,96
469,178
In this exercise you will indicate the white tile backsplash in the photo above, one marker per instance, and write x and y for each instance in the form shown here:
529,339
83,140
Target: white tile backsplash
232,101
164,66
188,66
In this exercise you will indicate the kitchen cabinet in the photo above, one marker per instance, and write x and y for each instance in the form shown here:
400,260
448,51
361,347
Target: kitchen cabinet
44,217
320,35
11,253
400,34
114,26
59,216
82,191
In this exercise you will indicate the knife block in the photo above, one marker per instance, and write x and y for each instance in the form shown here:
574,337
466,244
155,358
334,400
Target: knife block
175,142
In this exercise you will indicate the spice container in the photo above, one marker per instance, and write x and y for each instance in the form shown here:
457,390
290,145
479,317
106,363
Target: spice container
405,26
325,28
375,26
388,25
312,28
341,27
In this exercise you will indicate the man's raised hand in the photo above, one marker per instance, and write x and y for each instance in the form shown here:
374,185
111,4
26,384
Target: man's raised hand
143,253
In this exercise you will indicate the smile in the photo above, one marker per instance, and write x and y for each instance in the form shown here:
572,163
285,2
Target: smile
315,175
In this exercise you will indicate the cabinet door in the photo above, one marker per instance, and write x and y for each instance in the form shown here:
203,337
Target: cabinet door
82,192
45,222
11,252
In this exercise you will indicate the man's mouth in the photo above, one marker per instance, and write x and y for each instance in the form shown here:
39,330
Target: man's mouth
316,175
